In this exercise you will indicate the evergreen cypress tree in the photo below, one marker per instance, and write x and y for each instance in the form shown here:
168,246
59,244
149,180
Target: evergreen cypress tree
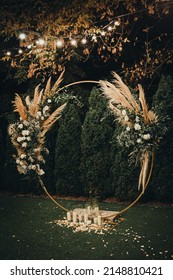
124,176
1,156
162,179
96,142
68,153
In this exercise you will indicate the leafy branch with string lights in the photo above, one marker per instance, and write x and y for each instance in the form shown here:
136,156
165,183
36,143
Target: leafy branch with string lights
52,34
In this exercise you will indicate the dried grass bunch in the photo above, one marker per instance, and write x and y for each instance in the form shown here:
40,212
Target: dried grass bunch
35,119
141,127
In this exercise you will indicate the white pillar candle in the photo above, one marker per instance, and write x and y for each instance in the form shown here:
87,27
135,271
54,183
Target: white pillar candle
95,220
80,217
89,210
85,218
74,217
99,221
68,216
97,211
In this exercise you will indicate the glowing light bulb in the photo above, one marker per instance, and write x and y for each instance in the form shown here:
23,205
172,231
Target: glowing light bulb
20,51
22,36
40,42
29,47
109,28
73,42
59,43
8,53
94,38
117,23
103,33
84,41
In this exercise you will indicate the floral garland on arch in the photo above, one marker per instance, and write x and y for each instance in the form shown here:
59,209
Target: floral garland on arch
141,128
28,133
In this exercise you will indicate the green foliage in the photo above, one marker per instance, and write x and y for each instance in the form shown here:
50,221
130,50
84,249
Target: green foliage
1,155
162,180
10,180
68,152
163,99
96,142
124,175
88,159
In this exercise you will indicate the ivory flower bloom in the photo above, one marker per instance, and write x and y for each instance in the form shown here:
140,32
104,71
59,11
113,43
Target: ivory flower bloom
137,126
146,136
123,112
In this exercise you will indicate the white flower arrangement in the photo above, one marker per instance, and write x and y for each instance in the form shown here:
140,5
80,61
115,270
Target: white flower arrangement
141,130
28,133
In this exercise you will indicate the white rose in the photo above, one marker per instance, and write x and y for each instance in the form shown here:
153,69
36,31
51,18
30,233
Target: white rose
128,128
17,161
23,156
146,136
25,132
137,119
138,140
123,112
46,108
137,126
20,125
24,144
42,118
126,118
38,113
28,138
19,139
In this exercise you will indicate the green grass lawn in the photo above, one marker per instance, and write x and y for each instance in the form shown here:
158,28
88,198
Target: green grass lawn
26,232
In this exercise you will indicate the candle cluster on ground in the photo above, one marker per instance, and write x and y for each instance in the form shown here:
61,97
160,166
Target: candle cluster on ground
87,216
90,219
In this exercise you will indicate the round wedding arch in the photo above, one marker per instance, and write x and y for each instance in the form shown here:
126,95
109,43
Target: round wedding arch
139,128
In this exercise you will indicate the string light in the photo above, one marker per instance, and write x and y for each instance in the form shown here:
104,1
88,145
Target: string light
110,28
84,41
103,33
20,51
59,43
73,42
40,42
117,23
94,38
22,36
